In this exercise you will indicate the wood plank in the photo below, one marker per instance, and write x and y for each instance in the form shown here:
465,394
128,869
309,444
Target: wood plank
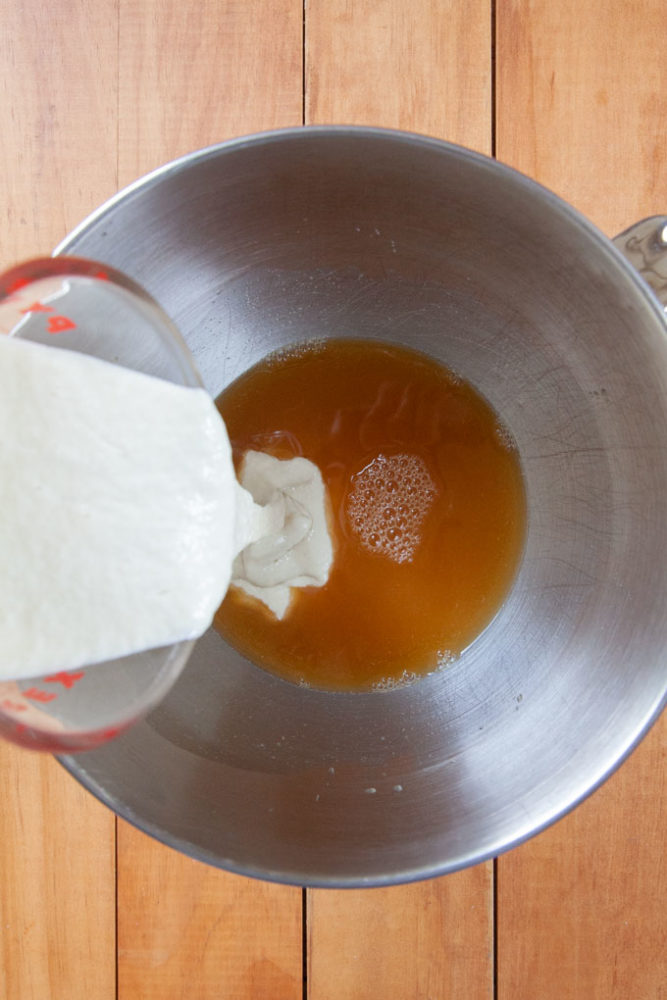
431,939
581,908
426,67
192,75
188,930
195,74
58,75
57,884
58,97
581,107
423,66
582,103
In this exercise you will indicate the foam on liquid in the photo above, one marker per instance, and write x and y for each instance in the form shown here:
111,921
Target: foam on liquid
389,500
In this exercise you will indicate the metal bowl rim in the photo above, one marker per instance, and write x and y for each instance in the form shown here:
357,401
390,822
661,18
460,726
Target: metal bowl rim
75,764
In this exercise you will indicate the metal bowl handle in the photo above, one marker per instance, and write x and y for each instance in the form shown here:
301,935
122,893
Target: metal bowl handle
644,245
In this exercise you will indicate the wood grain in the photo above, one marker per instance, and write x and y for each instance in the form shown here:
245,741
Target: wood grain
431,939
423,66
58,87
58,77
581,107
57,884
582,102
187,930
192,75
581,908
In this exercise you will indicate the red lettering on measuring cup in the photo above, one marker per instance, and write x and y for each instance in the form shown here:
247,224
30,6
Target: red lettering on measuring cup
38,307
57,324
36,694
13,706
17,284
67,679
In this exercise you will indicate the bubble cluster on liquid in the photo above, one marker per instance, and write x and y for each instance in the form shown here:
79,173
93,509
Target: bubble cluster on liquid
503,437
292,352
391,683
387,505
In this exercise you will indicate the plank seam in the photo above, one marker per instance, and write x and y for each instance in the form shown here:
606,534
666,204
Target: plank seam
303,67
304,944
493,77
494,914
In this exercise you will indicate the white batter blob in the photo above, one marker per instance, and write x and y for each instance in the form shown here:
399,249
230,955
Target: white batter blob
294,546
120,514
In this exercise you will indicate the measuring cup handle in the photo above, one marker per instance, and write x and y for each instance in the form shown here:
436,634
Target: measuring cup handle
644,245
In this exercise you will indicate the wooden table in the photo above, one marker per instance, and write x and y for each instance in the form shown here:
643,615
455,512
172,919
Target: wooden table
93,95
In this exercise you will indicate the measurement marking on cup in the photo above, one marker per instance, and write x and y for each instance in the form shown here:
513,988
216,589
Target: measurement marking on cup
36,694
67,679
15,287
56,324
38,307
13,706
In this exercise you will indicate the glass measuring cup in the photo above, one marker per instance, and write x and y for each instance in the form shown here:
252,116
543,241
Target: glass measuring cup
80,305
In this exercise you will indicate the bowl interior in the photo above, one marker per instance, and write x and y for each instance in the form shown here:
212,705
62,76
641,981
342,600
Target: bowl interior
277,239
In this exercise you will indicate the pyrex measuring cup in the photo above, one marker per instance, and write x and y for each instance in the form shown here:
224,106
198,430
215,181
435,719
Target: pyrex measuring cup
79,305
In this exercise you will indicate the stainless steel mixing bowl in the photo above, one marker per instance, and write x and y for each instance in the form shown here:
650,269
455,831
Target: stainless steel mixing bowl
337,232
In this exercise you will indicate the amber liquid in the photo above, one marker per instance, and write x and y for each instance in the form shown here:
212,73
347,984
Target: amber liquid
427,512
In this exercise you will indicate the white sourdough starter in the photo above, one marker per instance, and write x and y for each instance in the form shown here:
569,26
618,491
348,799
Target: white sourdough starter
121,517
